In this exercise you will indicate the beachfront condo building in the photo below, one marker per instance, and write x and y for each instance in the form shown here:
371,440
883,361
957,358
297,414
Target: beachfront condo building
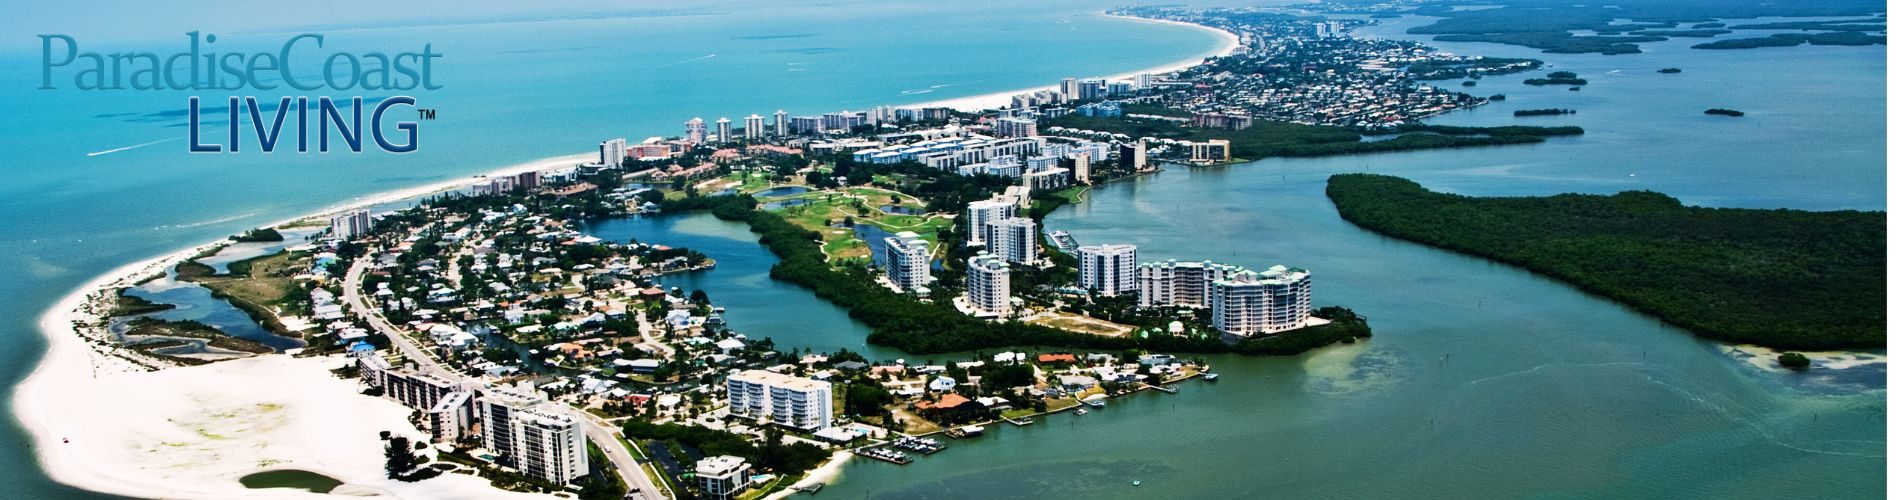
907,261
722,477
779,124
350,224
723,130
543,440
1013,238
1249,303
789,401
445,405
612,151
1106,269
987,285
1179,284
696,131
755,127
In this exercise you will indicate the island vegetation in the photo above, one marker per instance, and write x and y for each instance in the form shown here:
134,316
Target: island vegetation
1722,112
1780,278
1544,112
259,235
1549,26
1278,139
1794,39
1557,78
1793,361
1670,71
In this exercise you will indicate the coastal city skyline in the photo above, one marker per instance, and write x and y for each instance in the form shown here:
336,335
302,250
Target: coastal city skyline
970,280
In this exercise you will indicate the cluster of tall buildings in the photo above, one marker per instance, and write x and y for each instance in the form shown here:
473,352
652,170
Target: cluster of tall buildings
521,427
789,401
994,224
1244,303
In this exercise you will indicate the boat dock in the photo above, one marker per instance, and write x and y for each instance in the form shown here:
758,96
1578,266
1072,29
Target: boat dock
918,445
891,456
1018,421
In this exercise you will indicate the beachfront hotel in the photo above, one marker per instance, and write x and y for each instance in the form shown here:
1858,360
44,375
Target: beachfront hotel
350,224
1179,284
789,401
987,285
1106,269
541,439
1249,303
723,130
907,262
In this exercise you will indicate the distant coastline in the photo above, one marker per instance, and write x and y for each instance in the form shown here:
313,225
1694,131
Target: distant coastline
998,99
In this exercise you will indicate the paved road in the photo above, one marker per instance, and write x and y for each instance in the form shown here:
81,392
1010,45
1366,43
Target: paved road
600,434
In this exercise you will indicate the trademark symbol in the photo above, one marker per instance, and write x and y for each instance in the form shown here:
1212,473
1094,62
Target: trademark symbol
426,114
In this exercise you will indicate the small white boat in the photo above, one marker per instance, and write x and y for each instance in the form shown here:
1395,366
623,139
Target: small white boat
1210,376
1082,411
1137,482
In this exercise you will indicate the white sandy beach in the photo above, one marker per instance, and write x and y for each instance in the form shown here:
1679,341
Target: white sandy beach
1000,99
138,428
825,473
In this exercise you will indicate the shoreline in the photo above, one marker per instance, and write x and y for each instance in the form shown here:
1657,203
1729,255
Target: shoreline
998,99
75,362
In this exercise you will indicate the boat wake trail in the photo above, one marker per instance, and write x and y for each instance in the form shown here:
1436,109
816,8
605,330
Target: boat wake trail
134,146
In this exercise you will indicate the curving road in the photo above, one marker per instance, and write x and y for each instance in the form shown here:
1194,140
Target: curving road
640,486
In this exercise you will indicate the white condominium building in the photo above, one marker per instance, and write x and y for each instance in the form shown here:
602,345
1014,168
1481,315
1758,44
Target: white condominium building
612,152
789,401
723,476
755,127
723,130
1106,269
979,214
1179,284
907,261
987,285
541,439
1249,303
779,123
350,224
1014,239
696,131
